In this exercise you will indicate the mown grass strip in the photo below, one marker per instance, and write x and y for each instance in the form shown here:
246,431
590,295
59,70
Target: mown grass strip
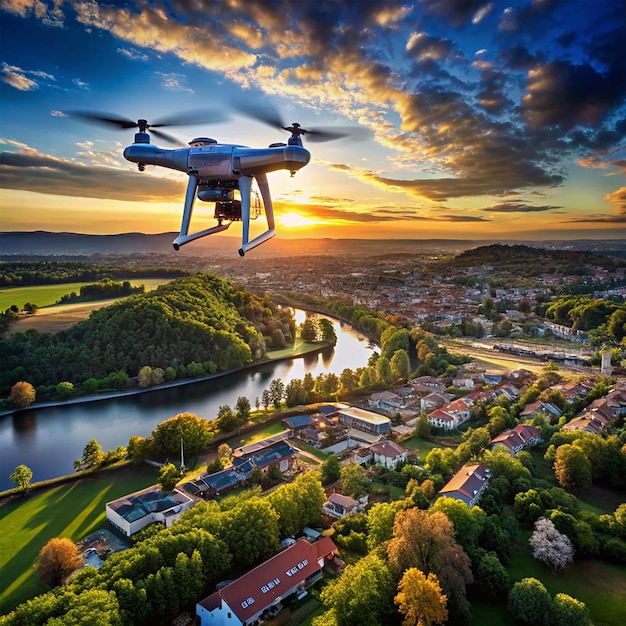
72,510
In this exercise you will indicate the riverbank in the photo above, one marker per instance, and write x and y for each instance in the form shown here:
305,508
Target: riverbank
299,350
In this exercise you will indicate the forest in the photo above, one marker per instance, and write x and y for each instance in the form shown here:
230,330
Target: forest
46,272
202,322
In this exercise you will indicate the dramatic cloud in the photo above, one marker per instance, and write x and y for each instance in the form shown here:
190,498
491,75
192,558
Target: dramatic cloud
516,207
29,170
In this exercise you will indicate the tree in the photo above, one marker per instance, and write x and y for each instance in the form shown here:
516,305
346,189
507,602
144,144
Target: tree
567,611
494,579
21,476
426,541
380,519
243,408
327,330
277,391
550,546
65,390
331,469
362,594
308,330
194,431
22,394
529,602
420,599
224,451
400,365
168,477
58,558
226,420
353,481
92,456
572,468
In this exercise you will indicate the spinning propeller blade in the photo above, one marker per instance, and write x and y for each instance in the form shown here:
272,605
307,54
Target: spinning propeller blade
183,119
266,113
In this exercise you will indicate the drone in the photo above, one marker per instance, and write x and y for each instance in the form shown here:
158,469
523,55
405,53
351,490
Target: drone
218,170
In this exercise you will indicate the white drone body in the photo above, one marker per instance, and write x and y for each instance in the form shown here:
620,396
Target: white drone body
215,172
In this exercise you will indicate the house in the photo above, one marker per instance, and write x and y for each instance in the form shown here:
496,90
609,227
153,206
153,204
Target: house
131,513
353,417
547,409
264,456
339,506
442,419
217,484
388,453
387,401
467,484
259,592
435,400
520,438
296,424
427,384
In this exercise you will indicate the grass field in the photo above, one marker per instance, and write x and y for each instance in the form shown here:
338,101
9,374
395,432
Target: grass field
47,295
600,585
73,510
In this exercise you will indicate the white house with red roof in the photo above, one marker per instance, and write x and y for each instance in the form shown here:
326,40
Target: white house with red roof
251,596
519,438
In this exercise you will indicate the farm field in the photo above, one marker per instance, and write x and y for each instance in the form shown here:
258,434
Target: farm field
51,317
47,295
73,510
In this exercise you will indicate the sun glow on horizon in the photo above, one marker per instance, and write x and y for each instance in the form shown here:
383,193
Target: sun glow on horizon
295,220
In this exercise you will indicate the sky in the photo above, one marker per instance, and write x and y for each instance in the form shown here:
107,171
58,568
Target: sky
488,119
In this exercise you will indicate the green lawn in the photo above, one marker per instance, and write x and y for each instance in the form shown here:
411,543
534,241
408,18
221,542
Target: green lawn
421,446
46,295
73,510
600,585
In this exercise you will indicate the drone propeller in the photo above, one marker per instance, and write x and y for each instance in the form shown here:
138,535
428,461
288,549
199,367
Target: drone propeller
185,119
268,114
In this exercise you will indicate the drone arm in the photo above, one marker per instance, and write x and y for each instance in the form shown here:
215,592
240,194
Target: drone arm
185,237
245,186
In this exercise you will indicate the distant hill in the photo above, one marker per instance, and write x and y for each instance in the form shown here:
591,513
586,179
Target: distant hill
522,256
43,243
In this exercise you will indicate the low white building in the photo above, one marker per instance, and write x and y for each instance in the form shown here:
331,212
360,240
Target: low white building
131,513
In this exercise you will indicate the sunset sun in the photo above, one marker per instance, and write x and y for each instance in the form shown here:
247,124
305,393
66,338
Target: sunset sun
295,220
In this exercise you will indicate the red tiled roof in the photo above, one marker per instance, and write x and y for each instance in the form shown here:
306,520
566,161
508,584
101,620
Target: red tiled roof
259,588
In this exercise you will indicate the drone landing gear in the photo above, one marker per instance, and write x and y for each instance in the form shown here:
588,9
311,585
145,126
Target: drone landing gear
245,188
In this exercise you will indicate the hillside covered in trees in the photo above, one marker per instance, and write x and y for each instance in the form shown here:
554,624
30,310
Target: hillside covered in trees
200,322
46,272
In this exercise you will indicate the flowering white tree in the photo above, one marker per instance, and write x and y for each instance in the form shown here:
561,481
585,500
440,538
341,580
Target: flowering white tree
550,546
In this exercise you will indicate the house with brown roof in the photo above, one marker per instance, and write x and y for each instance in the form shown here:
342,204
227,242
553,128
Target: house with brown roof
339,506
519,438
547,409
388,453
435,400
467,484
259,592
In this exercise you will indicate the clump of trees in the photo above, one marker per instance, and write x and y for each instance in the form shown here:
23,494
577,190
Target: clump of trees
190,327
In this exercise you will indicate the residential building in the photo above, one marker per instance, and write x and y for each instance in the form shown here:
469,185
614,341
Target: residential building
519,438
353,417
387,401
339,506
131,513
467,484
388,453
547,409
260,591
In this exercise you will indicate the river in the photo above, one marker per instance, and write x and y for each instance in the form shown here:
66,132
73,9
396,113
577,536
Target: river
48,440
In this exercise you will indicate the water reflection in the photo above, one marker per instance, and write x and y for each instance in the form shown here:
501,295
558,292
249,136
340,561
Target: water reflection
49,440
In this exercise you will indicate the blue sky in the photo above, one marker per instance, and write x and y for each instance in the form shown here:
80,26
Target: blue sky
489,119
